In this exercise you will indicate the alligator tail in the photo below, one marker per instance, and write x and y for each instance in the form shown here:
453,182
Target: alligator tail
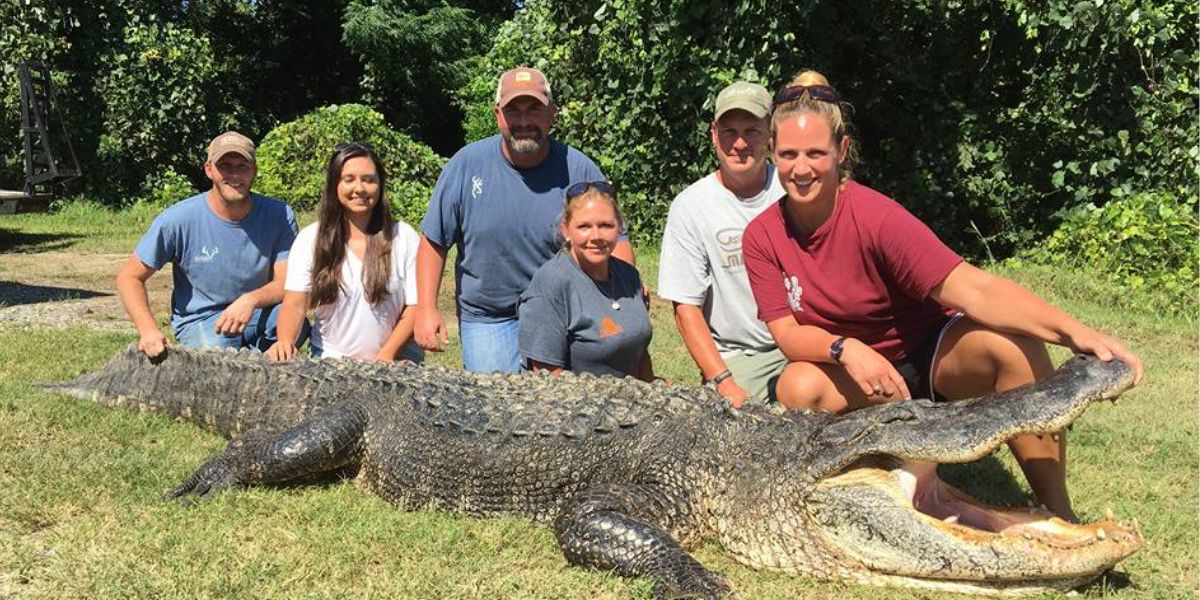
225,392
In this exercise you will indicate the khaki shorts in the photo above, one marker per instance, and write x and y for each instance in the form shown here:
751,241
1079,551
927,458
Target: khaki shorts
757,373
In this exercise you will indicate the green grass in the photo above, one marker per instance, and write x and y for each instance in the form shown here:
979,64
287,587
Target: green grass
80,485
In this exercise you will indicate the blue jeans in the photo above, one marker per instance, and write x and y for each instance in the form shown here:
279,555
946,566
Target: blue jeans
259,333
490,347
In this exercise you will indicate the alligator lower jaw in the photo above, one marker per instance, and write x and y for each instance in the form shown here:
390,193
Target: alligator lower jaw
952,542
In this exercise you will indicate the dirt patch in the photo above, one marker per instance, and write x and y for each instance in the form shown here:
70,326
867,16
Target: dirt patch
61,289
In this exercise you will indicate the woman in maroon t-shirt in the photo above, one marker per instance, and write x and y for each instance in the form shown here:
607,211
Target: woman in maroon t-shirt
863,298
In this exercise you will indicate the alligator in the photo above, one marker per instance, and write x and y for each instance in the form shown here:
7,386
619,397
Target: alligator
632,474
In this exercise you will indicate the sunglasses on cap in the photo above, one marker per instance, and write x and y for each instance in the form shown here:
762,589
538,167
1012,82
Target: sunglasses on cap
823,93
603,187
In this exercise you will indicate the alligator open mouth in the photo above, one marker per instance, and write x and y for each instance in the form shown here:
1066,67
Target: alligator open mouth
888,511
925,533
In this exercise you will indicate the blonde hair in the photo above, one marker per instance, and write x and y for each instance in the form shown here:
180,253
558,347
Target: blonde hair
834,112
591,193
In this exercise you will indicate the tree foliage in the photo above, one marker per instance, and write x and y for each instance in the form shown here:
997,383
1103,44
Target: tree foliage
986,119
157,106
143,82
416,54
293,156
28,30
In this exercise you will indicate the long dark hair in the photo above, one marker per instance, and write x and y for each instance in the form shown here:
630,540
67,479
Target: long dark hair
333,234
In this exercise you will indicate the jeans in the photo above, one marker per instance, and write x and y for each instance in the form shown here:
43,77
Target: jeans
490,347
259,333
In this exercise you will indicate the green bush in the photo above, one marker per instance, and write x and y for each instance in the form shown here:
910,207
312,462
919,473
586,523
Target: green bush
28,31
156,92
166,188
292,159
1145,245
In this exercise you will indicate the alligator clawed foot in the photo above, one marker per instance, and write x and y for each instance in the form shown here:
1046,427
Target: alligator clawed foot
212,478
697,583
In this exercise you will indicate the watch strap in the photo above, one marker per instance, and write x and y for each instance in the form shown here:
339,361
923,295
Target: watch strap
719,377
835,349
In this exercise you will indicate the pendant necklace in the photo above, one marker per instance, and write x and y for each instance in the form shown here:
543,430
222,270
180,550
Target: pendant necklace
606,290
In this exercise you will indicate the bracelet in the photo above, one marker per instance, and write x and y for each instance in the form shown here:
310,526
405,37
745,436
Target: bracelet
835,349
719,377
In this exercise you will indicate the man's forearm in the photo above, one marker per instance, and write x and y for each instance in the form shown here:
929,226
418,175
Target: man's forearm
698,339
132,292
267,295
431,260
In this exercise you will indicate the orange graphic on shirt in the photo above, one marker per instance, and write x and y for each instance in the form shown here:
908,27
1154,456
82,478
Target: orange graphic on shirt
609,327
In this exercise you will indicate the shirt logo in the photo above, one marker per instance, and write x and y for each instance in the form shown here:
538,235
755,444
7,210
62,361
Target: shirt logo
206,255
730,242
794,291
609,327
476,186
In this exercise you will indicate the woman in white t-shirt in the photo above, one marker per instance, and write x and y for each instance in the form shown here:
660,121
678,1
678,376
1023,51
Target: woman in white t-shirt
355,268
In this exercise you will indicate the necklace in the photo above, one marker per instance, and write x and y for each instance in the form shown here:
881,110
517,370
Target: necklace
606,290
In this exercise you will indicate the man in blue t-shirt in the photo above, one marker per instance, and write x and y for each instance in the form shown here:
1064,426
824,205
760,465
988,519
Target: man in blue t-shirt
499,200
228,253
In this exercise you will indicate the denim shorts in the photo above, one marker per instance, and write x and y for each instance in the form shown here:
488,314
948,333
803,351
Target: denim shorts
259,333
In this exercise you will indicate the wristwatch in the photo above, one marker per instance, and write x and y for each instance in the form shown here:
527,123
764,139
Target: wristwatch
719,377
835,349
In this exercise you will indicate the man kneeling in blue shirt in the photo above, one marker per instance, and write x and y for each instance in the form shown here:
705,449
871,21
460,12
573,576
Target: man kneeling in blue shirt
228,252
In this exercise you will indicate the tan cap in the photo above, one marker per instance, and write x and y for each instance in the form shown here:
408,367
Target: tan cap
743,95
523,81
230,141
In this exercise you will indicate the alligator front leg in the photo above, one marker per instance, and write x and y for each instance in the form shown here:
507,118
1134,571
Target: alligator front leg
612,527
328,441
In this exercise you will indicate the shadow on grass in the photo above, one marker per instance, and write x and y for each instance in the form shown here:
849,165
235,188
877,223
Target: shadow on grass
12,240
1111,581
13,293
986,480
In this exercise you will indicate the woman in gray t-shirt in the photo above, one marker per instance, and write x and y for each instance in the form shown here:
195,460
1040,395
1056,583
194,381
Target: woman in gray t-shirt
584,310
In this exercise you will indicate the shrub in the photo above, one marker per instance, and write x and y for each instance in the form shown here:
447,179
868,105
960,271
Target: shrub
292,159
156,91
29,31
1144,245
166,188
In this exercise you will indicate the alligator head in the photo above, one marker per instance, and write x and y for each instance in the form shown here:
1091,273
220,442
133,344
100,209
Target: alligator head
871,508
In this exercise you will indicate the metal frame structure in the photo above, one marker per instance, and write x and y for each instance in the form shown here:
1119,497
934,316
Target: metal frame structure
43,168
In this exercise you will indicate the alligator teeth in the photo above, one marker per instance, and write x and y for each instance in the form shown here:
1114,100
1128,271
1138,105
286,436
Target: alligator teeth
952,519
1101,534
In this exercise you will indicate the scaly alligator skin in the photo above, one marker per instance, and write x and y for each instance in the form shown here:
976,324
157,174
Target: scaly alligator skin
632,474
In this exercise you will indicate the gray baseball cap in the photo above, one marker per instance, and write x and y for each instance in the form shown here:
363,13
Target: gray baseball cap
743,95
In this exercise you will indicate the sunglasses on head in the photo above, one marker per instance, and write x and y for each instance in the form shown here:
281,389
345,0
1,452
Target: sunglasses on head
603,187
823,93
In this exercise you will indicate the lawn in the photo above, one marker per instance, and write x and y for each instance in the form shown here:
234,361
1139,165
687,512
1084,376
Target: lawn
80,485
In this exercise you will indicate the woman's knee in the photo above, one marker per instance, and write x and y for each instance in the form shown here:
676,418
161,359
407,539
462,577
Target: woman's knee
806,385
981,360
1018,357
